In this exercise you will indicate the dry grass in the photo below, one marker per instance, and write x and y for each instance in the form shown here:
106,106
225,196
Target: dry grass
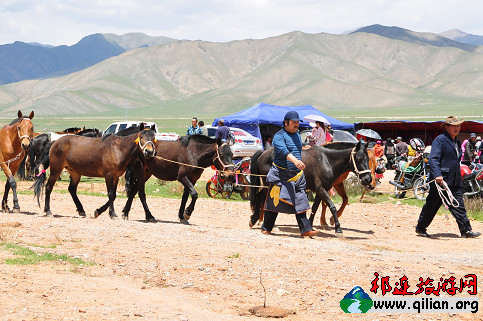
474,208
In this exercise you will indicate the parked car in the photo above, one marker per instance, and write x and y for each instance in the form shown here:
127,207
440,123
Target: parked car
117,126
245,144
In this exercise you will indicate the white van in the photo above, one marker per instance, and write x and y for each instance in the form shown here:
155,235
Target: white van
120,125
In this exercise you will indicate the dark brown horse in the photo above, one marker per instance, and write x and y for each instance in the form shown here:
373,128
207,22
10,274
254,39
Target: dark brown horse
94,157
323,165
14,142
183,160
339,187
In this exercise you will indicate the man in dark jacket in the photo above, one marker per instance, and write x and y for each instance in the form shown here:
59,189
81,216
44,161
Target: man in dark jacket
445,166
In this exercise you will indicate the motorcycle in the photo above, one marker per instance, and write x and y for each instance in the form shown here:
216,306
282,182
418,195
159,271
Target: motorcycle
413,177
219,186
472,180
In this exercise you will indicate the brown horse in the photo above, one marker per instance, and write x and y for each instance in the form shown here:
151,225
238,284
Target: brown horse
324,164
339,187
105,157
14,142
183,160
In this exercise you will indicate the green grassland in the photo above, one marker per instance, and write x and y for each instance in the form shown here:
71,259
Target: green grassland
178,120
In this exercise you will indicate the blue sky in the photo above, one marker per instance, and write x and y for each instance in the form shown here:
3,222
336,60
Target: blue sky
58,22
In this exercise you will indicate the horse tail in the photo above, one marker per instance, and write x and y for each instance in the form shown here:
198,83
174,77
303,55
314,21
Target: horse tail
255,195
38,185
21,169
32,160
130,179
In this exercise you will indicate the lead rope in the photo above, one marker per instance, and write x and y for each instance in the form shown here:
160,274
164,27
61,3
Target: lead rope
13,159
448,200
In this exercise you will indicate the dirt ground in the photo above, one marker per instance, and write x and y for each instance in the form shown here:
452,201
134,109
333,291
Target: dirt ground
214,267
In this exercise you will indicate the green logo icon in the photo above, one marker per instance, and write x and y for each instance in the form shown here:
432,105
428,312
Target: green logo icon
356,301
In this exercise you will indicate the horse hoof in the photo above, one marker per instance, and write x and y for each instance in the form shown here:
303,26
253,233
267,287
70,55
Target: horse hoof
332,221
83,214
250,224
16,210
48,214
152,219
125,217
338,231
114,217
96,214
185,222
325,227
186,216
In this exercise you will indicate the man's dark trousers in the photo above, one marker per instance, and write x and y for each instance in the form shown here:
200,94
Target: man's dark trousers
434,202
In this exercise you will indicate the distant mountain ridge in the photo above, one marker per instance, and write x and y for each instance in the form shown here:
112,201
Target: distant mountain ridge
361,71
460,36
416,37
22,61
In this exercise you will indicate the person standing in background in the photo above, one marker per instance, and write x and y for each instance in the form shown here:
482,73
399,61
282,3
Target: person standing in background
401,147
204,130
390,153
194,129
222,131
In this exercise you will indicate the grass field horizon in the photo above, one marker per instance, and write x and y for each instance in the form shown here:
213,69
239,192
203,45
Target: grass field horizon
178,123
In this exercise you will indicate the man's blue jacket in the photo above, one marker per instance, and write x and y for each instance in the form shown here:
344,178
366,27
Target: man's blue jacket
444,159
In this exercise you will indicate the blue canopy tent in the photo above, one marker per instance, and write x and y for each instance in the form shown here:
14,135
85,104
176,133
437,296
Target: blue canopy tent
263,114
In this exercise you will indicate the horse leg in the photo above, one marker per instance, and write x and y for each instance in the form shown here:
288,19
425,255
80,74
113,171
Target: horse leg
5,207
189,189
315,207
111,184
101,209
74,182
140,186
130,198
258,208
322,193
345,200
54,176
184,200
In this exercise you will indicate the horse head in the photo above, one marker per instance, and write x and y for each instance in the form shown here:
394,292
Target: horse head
146,140
360,164
224,161
25,129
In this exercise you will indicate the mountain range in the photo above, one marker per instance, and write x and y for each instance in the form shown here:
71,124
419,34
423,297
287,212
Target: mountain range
375,67
21,61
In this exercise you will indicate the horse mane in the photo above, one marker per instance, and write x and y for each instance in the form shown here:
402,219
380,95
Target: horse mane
71,129
124,132
89,130
16,120
197,139
340,145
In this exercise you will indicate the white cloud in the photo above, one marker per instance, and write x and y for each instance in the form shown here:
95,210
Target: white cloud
66,22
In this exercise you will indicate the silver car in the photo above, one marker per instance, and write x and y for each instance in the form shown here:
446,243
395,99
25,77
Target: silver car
245,144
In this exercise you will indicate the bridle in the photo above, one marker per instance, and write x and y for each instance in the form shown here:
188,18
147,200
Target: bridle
356,170
146,143
23,136
219,158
